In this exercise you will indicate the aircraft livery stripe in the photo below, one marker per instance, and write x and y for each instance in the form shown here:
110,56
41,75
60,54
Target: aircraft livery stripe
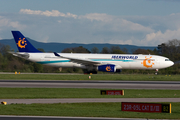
61,61
111,60
48,62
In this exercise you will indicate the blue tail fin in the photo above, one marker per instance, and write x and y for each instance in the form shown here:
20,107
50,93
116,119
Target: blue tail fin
22,43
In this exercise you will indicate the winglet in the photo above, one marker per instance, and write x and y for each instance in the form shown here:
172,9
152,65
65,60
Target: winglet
56,54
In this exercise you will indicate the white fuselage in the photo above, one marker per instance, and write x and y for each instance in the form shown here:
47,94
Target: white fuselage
122,61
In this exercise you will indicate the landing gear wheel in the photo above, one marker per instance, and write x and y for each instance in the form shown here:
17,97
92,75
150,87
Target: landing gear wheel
89,72
156,72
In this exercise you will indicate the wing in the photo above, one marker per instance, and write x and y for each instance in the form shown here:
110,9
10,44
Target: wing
78,60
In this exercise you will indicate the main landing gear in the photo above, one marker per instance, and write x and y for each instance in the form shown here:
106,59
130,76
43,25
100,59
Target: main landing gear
90,71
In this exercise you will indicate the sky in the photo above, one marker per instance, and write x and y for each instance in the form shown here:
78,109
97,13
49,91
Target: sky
133,22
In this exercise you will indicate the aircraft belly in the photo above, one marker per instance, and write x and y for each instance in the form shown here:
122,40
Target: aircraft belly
135,65
124,65
69,64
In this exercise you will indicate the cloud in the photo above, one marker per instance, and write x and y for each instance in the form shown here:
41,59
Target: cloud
116,22
53,13
162,37
138,30
55,26
97,16
118,41
131,26
5,22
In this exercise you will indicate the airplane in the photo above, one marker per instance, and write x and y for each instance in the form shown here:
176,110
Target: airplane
91,62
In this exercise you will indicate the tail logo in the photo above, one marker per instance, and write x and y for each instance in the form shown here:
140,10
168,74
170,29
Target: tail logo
147,62
22,43
108,68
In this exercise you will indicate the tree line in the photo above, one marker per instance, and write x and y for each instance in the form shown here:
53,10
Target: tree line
171,49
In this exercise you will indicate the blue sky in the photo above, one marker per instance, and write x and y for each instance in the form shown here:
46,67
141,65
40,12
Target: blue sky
134,22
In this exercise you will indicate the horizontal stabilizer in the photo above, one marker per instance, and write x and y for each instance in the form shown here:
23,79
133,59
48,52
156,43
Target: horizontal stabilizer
20,54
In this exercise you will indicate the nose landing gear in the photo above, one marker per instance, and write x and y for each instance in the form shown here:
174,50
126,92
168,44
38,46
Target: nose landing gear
156,72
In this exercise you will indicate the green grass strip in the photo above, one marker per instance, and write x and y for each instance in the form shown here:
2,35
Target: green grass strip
32,93
84,110
134,77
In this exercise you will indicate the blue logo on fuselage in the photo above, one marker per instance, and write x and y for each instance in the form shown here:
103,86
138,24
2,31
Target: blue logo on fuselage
124,57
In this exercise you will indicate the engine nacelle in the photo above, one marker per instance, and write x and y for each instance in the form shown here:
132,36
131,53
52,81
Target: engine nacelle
107,68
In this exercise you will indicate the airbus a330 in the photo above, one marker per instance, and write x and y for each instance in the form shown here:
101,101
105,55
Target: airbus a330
91,62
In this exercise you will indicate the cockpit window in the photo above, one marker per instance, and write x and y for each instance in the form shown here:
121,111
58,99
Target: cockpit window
167,60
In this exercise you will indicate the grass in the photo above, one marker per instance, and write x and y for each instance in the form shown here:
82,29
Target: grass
33,93
84,110
135,77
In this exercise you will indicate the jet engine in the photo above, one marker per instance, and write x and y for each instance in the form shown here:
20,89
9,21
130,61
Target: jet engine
107,68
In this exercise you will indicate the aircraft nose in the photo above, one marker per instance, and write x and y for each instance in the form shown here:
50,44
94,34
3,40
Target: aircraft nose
172,63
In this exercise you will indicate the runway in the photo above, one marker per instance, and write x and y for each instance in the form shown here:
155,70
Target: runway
13,117
85,84
84,100
171,85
